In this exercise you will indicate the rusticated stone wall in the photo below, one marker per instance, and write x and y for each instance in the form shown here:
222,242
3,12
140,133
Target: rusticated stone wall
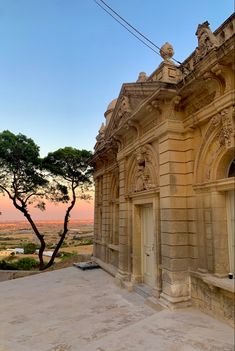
213,299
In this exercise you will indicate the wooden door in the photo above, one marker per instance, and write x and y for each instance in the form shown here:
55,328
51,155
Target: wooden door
148,247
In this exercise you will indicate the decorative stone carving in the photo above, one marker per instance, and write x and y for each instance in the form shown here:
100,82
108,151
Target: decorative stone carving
167,51
206,41
219,135
223,121
154,105
119,141
227,129
125,107
215,122
225,75
217,82
174,106
142,77
133,125
101,132
143,180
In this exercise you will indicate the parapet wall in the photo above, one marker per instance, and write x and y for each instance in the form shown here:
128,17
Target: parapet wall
212,298
9,275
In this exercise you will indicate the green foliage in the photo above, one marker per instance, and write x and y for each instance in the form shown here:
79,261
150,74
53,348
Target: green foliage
11,257
51,245
4,265
79,242
66,255
71,166
85,242
28,179
20,165
64,244
30,248
26,263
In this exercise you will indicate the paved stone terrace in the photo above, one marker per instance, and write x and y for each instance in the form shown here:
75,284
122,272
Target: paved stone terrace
74,310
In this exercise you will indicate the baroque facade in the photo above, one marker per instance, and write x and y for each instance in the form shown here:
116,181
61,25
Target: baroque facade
164,178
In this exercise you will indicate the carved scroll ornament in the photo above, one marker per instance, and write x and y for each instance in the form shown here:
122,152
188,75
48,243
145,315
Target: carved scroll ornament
206,41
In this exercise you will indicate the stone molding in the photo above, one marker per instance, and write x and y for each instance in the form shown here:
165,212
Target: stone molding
218,138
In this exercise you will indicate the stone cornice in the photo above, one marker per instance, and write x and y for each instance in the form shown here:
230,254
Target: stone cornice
206,86
218,185
164,91
140,92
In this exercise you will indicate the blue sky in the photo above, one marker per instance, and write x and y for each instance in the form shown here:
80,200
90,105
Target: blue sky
63,61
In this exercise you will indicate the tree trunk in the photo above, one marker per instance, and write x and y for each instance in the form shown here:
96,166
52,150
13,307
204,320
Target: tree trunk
65,231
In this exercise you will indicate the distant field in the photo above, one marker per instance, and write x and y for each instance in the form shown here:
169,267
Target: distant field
79,238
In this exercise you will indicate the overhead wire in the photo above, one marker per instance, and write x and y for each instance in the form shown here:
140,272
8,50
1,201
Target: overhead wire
142,41
132,27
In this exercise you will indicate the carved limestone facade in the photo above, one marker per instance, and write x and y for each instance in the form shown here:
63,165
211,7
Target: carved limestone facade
164,177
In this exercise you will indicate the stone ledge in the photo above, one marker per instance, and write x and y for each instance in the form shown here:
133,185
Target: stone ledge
11,274
105,266
213,295
113,247
213,281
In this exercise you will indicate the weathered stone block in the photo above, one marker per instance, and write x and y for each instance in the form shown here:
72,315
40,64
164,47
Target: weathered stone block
174,238
171,214
173,202
174,226
173,251
176,289
175,264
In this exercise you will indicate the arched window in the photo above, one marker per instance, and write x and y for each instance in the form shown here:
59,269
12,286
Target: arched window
231,171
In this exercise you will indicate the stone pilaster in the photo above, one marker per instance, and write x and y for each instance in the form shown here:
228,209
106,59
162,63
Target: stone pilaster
96,218
203,231
220,235
123,274
105,215
174,154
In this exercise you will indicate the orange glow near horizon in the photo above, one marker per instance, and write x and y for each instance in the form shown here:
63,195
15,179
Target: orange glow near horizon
82,210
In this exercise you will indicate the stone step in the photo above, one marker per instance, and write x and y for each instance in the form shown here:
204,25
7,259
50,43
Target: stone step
143,290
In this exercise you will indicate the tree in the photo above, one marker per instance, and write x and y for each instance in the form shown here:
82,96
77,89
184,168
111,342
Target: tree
61,177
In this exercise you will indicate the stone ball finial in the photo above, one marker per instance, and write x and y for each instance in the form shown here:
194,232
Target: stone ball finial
142,77
167,51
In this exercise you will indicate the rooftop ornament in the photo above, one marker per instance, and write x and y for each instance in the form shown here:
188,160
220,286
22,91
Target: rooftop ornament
167,52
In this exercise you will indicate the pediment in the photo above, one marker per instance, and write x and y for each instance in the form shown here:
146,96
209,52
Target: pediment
131,96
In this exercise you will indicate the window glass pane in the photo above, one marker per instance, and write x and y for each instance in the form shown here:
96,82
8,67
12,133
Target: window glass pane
231,172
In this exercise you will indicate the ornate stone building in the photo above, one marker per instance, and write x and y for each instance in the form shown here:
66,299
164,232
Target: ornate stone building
164,177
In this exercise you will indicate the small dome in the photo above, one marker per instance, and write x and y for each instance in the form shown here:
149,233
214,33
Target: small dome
112,105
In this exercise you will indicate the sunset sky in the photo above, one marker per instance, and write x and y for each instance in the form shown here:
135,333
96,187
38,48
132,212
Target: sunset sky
82,210
63,61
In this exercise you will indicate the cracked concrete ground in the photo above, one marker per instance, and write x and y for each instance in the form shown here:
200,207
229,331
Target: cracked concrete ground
74,310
